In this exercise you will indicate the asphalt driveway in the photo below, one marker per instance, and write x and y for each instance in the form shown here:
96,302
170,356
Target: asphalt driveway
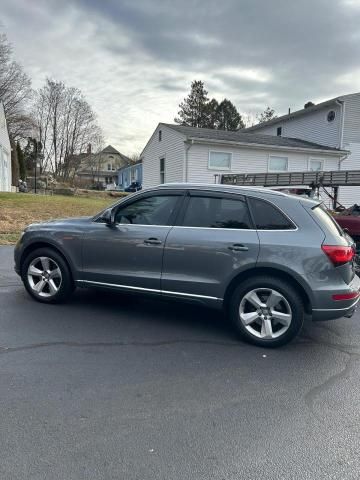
110,386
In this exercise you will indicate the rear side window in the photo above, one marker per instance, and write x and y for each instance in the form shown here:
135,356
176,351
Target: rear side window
212,212
268,217
326,219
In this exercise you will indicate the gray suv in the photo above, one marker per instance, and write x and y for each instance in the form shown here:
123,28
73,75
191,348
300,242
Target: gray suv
265,257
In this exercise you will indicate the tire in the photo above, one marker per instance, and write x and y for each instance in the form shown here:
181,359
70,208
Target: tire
46,276
272,322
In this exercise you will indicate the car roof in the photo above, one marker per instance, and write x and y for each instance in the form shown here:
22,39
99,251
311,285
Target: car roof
238,189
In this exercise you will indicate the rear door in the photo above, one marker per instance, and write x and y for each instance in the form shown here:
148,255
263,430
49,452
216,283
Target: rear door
212,241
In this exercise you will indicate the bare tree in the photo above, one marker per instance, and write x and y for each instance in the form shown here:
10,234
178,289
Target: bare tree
66,125
135,157
250,119
15,92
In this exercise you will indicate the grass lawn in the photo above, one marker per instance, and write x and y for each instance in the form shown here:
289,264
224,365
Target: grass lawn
19,209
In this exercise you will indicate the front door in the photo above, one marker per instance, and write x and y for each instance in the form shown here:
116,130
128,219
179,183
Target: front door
212,242
129,253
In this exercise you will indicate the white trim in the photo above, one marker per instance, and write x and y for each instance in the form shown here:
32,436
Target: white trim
220,169
316,159
277,156
153,290
262,146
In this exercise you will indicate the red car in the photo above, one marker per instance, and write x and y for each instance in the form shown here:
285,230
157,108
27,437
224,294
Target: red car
350,220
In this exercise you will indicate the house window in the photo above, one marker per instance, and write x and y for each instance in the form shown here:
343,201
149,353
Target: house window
279,131
278,164
160,135
316,165
331,116
162,170
220,160
109,167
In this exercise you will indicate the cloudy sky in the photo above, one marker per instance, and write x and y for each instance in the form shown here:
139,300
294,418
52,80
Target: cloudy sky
134,59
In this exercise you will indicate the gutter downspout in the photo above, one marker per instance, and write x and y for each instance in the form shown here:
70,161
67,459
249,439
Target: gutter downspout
188,145
341,139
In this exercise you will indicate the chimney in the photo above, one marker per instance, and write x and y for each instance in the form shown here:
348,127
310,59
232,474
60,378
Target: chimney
88,148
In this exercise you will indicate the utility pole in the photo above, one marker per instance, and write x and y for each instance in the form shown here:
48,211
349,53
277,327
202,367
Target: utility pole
36,161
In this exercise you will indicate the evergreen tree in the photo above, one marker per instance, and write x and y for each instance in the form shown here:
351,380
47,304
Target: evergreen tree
211,113
193,110
21,162
227,117
309,104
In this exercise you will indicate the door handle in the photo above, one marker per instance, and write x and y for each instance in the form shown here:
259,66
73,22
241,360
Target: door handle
238,247
152,241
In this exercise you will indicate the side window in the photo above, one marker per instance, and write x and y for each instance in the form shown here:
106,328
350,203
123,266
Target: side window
268,217
211,212
156,210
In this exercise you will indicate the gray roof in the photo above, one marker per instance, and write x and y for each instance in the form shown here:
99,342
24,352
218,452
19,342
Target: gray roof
297,113
246,138
111,149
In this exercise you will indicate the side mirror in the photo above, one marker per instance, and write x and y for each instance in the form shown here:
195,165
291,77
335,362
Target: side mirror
112,216
109,217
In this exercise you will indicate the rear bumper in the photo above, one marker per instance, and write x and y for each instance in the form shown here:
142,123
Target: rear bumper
331,314
339,309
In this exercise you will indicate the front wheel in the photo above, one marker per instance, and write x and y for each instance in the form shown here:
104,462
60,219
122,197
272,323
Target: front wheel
266,311
46,276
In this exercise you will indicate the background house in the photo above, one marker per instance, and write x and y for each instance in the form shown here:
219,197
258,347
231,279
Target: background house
5,154
335,123
129,174
99,168
177,153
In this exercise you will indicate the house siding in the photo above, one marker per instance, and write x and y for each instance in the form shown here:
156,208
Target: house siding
352,119
312,127
247,160
172,148
350,195
5,154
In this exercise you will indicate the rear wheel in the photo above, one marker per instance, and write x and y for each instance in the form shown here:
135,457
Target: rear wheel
266,311
46,276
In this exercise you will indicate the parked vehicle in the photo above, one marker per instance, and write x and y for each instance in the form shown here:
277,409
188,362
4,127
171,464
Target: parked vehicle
349,219
133,187
265,257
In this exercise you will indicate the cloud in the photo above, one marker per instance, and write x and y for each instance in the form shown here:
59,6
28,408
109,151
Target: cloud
134,61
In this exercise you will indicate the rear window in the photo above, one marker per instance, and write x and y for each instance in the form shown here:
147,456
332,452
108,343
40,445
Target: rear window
268,217
325,218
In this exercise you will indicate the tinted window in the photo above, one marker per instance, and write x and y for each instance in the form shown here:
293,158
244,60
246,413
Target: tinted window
155,210
268,217
213,212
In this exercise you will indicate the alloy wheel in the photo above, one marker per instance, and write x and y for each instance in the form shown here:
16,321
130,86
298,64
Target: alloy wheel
265,313
44,276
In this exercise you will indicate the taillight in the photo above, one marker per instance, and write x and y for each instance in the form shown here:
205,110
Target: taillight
346,296
338,254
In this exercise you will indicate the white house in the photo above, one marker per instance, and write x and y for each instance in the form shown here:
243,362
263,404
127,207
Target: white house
335,123
5,154
177,153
